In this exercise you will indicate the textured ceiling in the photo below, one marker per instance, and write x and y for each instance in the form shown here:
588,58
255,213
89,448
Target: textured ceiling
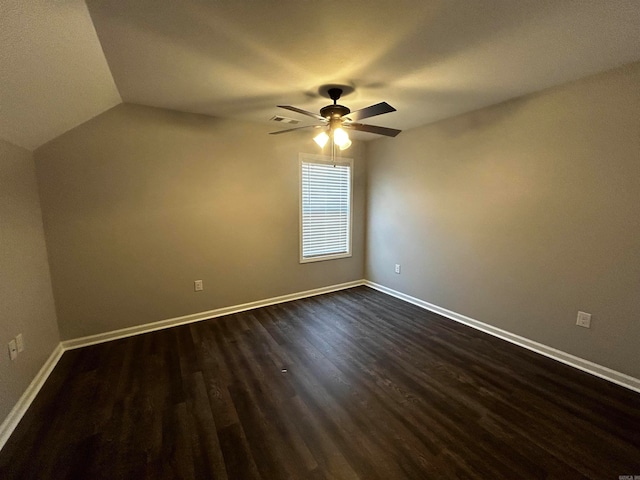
53,74
431,59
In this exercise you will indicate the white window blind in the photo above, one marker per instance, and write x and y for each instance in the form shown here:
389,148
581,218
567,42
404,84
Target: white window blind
325,210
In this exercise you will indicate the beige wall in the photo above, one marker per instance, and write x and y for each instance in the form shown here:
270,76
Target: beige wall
26,299
521,214
140,202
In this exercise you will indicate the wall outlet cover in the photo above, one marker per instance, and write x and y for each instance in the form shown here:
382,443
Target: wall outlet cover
20,342
13,349
584,320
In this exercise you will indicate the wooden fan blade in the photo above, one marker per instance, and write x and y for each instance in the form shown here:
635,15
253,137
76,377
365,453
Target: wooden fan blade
303,112
371,111
292,129
389,132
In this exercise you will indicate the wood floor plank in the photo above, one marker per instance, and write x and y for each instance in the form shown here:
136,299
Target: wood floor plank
349,385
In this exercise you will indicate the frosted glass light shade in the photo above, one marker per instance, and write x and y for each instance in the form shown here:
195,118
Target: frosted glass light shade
341,138
321,139
345,145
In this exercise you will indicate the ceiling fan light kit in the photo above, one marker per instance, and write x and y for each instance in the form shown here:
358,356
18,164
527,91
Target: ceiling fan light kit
341,138
336,118
321,139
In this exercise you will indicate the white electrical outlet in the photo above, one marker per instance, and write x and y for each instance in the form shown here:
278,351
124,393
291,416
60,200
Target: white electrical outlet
13,349
584,320
197,286
397,269
20,342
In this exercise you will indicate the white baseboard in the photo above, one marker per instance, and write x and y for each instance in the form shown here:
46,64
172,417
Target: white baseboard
197,317
11,422
566,358
19,409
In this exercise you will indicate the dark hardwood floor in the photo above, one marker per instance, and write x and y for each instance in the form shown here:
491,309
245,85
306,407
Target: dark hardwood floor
350,385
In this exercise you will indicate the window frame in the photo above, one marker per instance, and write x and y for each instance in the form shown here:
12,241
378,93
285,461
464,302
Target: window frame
324,159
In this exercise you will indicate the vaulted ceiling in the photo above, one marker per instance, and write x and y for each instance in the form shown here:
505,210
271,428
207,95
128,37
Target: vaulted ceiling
64,61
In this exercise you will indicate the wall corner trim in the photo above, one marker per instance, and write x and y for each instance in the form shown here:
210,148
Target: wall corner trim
20,408
605,373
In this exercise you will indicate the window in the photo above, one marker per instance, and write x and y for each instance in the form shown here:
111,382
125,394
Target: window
325,208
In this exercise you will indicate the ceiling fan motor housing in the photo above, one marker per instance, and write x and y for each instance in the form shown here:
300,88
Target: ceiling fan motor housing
334,111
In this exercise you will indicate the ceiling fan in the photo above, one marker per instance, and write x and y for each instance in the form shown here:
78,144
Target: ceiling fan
335,118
